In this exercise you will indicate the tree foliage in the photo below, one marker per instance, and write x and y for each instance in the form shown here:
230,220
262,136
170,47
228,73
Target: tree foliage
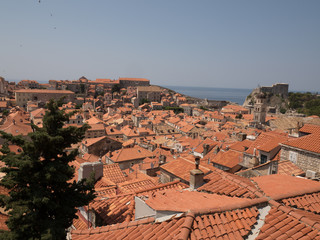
42,200
115,88
306,103
176,110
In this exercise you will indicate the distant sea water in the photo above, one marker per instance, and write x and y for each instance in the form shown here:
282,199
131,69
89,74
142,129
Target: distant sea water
236,95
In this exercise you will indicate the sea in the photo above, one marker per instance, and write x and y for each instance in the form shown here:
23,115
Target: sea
236,95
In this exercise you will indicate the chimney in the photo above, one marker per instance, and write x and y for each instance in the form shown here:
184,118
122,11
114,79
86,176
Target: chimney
205,149
162,159
87,168
217,149
196,178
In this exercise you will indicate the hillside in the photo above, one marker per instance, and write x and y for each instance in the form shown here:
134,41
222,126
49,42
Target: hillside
276,101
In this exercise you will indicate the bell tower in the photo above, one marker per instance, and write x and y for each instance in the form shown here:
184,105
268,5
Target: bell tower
259,111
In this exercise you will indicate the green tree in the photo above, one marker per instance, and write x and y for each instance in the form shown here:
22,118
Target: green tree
115,88
239,116
176,110
42,200
5,112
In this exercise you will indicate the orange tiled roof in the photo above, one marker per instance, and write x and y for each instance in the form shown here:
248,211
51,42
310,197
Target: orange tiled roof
267,142
80,222
235,224
241,146
289,168
142,229
126,154
3,219
235,108
309,143
181,168
3,104
228,184
310,128
228,159
17,129
208,141
190,200
135,79
94,120
113,173
114,210
137,185
280,186
43,91
308,202
286,223
121,208
90,141
106,192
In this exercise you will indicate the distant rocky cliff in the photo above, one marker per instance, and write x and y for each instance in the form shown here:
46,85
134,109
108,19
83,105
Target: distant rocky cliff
276,97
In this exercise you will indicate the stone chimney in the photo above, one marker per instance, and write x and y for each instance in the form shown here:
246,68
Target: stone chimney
87,168
216,149
196,176
205,149
162,159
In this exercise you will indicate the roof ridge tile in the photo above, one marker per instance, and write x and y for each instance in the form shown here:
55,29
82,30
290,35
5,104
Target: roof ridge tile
186,227
231,207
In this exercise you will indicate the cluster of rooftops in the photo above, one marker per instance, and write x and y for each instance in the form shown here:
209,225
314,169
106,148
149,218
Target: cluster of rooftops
202,174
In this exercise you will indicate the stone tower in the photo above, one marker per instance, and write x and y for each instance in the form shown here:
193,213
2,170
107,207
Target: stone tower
260,111
3,87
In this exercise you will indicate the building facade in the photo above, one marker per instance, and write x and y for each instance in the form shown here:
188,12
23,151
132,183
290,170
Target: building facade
25,95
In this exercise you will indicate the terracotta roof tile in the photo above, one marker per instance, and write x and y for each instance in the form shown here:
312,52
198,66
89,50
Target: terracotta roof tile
113,173
137,185
293,225
308,202
228,184
192,200
228,159
267,141
127,154
3,219
137,230
289,168
308,143
104,192
230,225
80,223
181,168
283,186
310,128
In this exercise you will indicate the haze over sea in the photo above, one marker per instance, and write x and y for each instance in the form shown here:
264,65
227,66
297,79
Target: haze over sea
236,95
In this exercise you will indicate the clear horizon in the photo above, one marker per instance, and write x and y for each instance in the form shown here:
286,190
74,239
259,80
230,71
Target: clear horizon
222,44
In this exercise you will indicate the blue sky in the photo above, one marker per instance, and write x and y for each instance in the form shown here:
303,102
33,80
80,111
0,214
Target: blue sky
236,44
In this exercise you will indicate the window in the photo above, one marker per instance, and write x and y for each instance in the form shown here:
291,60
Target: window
263,159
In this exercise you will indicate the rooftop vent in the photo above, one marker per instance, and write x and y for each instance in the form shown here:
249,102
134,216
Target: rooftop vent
310,174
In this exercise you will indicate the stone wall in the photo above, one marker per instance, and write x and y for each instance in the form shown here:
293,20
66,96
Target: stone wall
304,160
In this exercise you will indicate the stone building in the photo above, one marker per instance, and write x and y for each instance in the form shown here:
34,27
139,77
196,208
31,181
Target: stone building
133,82
126,157
28,84
150,93
25,95
3,87
304,152
277,89
99,146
